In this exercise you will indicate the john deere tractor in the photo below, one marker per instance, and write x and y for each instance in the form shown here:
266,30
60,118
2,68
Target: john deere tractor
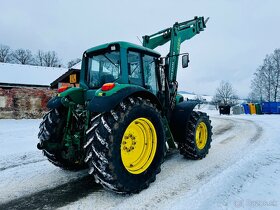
126,114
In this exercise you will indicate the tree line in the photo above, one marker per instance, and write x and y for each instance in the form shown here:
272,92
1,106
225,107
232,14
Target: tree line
265,84
266,80
26,57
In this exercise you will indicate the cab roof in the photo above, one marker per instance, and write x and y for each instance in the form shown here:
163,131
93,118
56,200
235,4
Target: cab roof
126,45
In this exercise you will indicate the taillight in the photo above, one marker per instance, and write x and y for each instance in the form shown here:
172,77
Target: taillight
62,89
107,86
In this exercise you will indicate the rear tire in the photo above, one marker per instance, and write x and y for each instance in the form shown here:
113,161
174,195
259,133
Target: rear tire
198,136
109,141
51,133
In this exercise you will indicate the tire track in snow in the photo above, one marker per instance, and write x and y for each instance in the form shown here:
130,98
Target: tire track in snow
223,126
55,197
21,164
18,160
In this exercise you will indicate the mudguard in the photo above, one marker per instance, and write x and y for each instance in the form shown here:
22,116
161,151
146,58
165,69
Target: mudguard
106,103
73,94
55,102
179,119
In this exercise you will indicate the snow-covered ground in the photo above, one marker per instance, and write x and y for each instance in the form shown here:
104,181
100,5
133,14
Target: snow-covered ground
242,171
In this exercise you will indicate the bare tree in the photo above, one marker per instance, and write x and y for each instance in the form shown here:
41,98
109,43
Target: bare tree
22,56
257,87
267,77
276,74
39,58
5,54
73,62
266,81
49,59
215,101
225,94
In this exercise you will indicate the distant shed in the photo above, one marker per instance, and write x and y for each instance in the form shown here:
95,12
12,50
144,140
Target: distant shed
25,89
69,78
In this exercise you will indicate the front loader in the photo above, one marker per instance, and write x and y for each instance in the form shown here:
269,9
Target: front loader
126,114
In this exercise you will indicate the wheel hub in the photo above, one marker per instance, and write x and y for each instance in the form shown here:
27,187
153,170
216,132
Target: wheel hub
201,135
138,146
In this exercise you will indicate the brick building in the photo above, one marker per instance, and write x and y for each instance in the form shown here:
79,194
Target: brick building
25,89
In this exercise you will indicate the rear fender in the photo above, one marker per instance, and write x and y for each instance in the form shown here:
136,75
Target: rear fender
179,119
54,103
103,103
62,99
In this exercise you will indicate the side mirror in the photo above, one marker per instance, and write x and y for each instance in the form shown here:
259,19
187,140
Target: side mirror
185,60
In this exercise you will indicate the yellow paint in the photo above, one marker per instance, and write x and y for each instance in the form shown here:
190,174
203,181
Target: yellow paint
201,135
138,146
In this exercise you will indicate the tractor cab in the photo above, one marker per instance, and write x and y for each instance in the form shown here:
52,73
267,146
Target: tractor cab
120,62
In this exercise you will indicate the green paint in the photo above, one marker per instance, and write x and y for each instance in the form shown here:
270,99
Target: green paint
75,94
124,45
118,87
177,34
179,98
168,134
89,94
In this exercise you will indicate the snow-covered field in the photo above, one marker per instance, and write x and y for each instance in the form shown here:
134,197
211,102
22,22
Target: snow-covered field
242,171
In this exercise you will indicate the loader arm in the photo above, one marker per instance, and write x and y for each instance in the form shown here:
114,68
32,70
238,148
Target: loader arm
177,34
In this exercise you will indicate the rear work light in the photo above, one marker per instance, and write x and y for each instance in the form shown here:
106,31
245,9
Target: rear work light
62,89
107,86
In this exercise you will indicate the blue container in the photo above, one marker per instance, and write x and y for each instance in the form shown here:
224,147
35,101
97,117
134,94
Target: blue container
271,107
246,108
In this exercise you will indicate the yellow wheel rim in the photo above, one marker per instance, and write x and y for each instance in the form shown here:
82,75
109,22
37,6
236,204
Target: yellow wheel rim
138,146
201,135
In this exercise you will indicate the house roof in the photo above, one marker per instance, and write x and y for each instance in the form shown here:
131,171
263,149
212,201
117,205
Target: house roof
77,66
17,74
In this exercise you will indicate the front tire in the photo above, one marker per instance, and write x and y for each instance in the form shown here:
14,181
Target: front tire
198,136
125,147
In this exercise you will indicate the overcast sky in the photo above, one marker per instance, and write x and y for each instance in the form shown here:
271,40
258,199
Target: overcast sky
238,35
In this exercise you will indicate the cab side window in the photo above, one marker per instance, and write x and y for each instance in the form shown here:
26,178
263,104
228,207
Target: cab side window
135,73
150,73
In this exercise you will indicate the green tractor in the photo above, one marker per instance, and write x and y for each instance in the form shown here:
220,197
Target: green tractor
126,114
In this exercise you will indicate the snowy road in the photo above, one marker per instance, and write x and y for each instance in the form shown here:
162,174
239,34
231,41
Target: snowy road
241,171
